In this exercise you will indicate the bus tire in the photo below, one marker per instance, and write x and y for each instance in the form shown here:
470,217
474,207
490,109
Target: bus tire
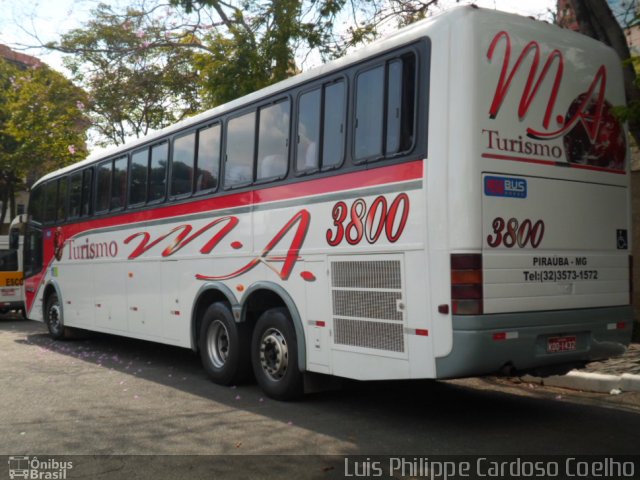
274,355
224,346
54,319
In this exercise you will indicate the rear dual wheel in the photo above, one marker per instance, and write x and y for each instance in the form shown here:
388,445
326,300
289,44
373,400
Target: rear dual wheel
274,355
228,351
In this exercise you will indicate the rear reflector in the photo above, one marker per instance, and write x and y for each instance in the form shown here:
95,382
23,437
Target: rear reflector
616,326
466,284
505,336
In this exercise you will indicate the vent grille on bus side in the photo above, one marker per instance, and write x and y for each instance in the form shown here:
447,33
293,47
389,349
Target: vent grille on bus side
366,295
367,304
366,274
361,333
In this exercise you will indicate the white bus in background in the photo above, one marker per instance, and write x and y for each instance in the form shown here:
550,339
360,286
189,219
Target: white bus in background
452,200
11,273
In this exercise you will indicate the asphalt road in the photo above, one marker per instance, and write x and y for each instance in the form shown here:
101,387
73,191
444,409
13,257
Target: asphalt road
106,395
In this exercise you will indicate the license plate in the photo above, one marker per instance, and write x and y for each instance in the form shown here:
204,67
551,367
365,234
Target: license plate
561,344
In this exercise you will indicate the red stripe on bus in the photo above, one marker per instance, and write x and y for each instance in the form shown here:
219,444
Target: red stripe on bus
367,178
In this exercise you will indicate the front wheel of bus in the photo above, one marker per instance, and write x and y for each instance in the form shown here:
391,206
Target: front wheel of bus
274,355
224,346
54,318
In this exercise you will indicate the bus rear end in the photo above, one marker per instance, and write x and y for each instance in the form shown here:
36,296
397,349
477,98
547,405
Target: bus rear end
542,279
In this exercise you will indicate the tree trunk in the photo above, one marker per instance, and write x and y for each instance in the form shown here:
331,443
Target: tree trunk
596,20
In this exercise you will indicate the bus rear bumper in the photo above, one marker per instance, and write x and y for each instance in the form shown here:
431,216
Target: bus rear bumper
484,344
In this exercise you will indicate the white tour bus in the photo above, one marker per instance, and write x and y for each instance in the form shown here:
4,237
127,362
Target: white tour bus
450,201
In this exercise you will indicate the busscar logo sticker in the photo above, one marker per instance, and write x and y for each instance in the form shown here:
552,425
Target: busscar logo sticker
505,187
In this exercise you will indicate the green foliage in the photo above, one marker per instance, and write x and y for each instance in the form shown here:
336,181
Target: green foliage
46,121
152,64
42,126
134,70
631,112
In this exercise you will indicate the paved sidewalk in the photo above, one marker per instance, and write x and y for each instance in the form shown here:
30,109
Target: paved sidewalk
614,376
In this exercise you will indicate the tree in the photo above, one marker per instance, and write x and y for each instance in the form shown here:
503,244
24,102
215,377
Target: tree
154,63
136,79
42,126
596,20
8,144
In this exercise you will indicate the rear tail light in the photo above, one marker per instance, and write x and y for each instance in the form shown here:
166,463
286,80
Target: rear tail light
466,284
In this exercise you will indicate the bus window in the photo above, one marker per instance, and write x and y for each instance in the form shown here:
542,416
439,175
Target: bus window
139,172
369,113
208,158
36,204
50,201
158,172
119,187
394,106
273,141
401,104
394,123
103,186
183,158
87,184
61,209
333,125
307,154
75,194
32,252
315,109
240,146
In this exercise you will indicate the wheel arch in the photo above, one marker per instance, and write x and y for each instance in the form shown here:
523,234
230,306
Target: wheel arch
209,293
273,289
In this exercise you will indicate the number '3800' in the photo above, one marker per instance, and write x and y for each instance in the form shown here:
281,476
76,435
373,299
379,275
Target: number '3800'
512,233
368,221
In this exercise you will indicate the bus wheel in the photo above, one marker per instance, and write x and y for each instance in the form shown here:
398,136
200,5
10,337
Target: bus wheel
274,355
224,346
53,318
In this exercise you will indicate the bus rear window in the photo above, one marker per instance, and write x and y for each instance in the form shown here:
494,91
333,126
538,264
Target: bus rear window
8,261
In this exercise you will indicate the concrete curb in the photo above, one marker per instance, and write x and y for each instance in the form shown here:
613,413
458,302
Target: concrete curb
592,382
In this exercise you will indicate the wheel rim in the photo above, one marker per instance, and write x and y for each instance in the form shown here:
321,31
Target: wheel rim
274,354
218,343
54,317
